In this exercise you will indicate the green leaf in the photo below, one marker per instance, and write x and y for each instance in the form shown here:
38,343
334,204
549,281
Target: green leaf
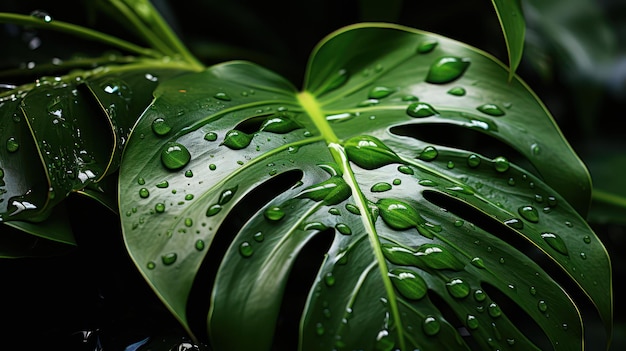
514,29
236,166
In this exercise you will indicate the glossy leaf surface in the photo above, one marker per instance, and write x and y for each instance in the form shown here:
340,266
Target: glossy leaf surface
236,166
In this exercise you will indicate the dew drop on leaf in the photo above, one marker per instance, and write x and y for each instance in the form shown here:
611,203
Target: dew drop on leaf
438,257
556,242
227,195
431,326
587,239
447,69
199,245
210,136
491,109
410,98
169,258
353,209
427,182
471,321
427,46
237,140
245,249
501,164
258,237
478,262
379,92
458,288
408,283
514,223
479,295
213,210
380,187
175,156
494,310
222,96
343,228
405,169
12,144
331,191
151,265
457,91
473,160
542,306
529,213
42,15
280,123
398,214
159,207
160,127
329,279
369,152
319,226
428,154
144,193
162,185
420,110
274,213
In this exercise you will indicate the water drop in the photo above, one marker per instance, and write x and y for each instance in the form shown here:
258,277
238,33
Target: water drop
237,140
159,207
501,164
274,213
380,187
428,154
329,279
245,249
473,160
144,193
397,182
431,326
399,215
258,237
491,109
213,210
427,45
162,185
409,284
369,152
151,265
160,127
410,98
384,341
44,16
438,257
514,223
542,306
471,321
420,110
175,156
280,123
450,165
319,226
212,166
494,310
479,295
535,149
199,245
529,213
338,79
210,136
343,228
188,173
405,169
222,96
169,259
227,195
556,242
458,288
353,209
12,144
587,239
446,69
400,255
319,329
478,262
331,191
379,92
457,91
427,182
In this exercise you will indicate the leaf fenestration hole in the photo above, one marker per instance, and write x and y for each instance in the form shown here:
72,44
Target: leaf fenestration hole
253,201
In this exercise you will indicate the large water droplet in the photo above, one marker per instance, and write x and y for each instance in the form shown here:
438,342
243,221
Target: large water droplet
471,321
398,214
159,207
343,228
274,213
529,213
410,284
160,126
222,96
438,257
169,258
556,242
331,191
280,123
12,144
491,109
380,187
245,249
405,169
213,210
447,69
473,160
458,288
379,92
420,110
494,310
369,152
175,156
501,164
199,245
428,154
237,140
144,193
227,195
400,255
427,45
431,326
479,295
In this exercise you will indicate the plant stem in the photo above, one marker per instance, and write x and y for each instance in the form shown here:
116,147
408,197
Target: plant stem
78,31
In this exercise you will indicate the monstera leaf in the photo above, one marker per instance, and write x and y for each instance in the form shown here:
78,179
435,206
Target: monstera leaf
428,243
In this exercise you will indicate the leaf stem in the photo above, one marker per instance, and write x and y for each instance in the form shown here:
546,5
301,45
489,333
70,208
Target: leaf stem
78,31
608,198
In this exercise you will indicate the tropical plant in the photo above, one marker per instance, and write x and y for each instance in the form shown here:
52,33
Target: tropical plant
413,194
